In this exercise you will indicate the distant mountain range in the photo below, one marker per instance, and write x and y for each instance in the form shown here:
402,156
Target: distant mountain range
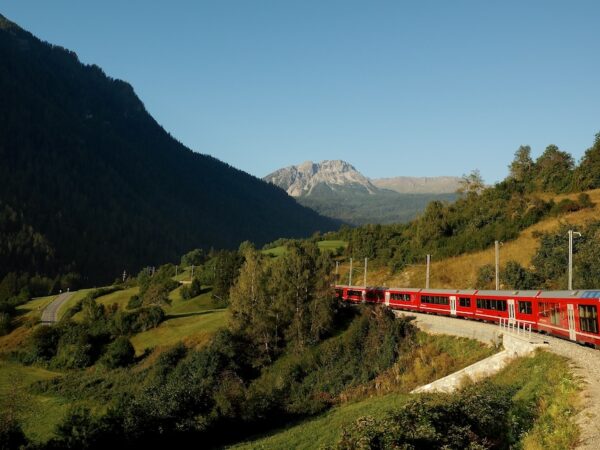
91,183
336,189
419,185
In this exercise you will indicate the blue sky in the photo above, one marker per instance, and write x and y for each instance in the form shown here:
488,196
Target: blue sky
396,88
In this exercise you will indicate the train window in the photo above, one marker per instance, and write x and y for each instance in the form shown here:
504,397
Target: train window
550,310
464,302
434,299
401,297
524,307
492,304
354,294
588,318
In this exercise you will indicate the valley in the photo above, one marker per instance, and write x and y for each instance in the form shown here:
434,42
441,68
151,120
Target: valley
155,295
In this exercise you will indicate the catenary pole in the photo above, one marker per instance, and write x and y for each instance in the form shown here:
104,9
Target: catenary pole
497,249
350,274
571,233
427,273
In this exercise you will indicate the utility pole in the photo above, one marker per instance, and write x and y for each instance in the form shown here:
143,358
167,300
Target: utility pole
337,269
350,274
427,273
124,275
571,233
497,248
365,280
176,267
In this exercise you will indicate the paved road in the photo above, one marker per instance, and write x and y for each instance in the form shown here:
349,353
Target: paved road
50,313
585,364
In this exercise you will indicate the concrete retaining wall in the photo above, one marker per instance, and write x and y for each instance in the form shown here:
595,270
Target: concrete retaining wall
514,346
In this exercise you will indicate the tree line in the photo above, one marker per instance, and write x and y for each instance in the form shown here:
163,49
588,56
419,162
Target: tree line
482,214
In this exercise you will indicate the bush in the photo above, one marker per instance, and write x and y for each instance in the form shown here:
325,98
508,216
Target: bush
476,418
134,302
5,322
148,318
119,353
517,277
486,276
192,290
43,344
11,434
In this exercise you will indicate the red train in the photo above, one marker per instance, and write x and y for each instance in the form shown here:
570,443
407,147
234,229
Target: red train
568,314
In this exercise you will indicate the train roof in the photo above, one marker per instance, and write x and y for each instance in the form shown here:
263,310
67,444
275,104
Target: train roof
582,293
449,291
507,293
404,289
570,294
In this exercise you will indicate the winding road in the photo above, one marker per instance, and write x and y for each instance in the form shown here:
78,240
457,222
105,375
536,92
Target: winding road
50,313
585,364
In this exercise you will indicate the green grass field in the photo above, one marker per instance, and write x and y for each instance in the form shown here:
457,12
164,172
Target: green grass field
40,413
203,302
193,330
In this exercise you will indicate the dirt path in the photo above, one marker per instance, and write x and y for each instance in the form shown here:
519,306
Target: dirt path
50,313
585,361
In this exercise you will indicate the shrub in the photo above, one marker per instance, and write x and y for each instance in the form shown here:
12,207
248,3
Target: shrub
119,353
5,322
11,434
476,418
486,275
43,344
148,318
134,302
192,290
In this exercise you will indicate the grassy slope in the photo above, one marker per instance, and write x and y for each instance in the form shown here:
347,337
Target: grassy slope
40,413
193,330
552,430
436,356
461,271
193,321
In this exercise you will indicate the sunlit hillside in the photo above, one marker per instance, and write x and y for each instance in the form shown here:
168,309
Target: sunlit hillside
461,271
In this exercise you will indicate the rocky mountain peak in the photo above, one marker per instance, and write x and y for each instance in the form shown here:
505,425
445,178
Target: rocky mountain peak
302,180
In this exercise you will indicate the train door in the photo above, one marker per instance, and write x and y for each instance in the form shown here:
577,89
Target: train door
364,296
571,317
453,305
387,298
511,311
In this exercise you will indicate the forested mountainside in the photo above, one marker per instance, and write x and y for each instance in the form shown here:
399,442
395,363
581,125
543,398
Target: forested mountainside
337,190
92,184
483,214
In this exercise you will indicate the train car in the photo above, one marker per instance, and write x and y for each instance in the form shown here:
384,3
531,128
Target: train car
402,298
572,315
452,302
375,295
492,306
353,294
